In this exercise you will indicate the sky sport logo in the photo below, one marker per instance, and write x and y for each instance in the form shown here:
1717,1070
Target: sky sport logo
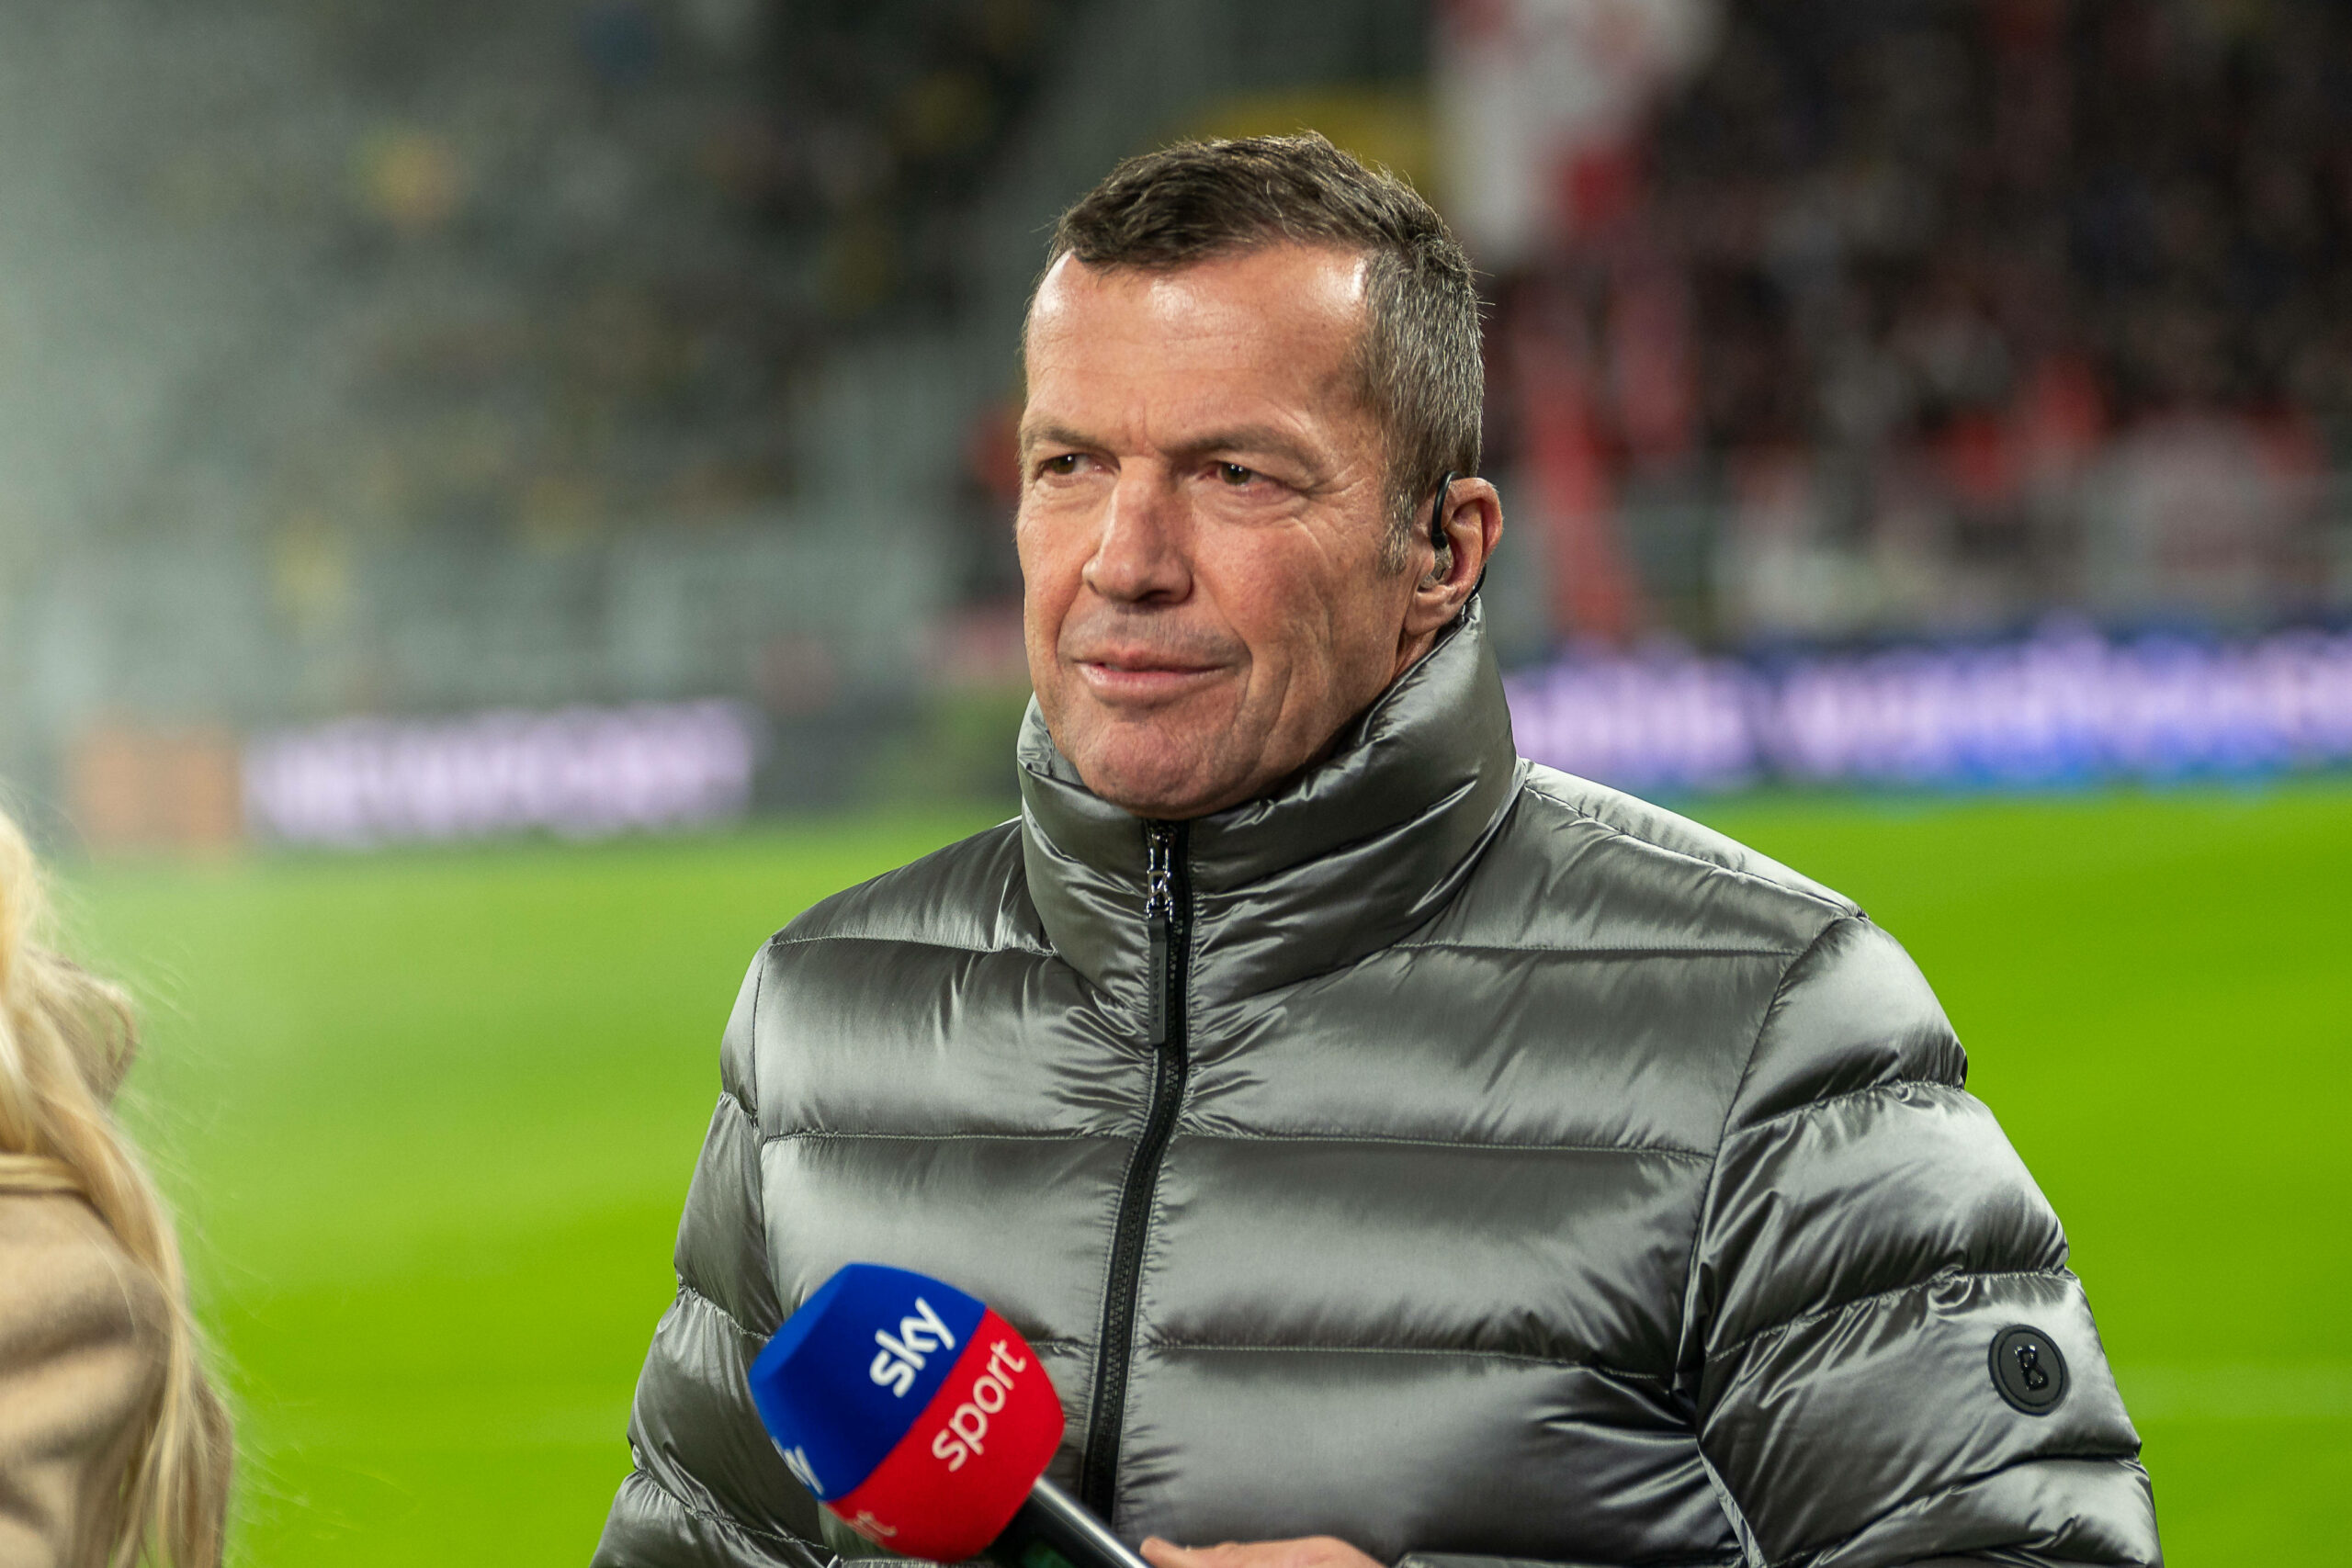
937,1475
896,1364
960,1438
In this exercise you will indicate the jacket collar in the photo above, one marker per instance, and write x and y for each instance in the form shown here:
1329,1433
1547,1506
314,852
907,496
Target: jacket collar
1340,861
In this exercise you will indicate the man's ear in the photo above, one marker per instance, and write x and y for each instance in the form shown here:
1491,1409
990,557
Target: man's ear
1471,519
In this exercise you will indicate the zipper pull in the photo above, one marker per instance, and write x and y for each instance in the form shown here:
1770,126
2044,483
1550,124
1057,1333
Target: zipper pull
1159,916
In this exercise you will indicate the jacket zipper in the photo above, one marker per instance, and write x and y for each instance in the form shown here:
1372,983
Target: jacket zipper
1167,917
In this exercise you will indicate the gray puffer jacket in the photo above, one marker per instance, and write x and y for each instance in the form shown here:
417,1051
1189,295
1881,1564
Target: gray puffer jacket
1442,1153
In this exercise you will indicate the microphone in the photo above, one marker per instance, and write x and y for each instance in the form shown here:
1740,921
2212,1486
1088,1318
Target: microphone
924,1422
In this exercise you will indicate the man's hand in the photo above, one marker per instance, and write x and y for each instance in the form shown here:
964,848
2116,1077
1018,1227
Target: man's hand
1310,1551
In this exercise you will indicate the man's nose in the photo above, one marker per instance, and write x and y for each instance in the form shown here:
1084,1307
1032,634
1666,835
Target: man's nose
1140,555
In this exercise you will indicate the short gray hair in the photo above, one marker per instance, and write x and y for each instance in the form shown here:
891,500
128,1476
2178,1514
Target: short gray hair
1419,361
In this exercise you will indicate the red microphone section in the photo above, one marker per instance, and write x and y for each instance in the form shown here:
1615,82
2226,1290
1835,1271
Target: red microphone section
967,1463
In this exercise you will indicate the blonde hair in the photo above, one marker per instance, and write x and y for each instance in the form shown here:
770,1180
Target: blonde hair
66,1040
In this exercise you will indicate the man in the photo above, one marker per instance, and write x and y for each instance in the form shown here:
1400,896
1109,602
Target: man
1391,1148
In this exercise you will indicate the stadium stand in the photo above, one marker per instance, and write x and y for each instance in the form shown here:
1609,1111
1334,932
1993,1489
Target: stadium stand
420,360
1932,317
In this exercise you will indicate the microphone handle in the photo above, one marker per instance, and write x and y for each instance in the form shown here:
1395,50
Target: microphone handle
1053,1530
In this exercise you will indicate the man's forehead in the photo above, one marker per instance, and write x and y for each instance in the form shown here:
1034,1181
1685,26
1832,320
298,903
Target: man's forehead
1283,289
1345,263
1257,324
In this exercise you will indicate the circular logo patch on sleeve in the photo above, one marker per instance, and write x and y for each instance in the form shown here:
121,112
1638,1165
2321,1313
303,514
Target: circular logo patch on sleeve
2028,1369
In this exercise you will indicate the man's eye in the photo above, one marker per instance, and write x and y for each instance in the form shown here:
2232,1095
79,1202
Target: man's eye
1061,467
1235,474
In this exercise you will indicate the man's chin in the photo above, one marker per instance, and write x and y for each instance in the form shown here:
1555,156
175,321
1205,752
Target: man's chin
1171,779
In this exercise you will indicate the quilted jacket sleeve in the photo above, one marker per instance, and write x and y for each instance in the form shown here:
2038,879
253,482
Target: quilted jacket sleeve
1867,1234
708,1488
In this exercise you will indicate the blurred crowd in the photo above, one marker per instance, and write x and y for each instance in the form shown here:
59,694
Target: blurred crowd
536,271
425,358
1966,309
709,198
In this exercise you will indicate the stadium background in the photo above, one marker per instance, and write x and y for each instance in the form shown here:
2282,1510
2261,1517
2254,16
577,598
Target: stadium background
502,504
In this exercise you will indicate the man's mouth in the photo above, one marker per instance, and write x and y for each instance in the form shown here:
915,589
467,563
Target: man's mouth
1142,676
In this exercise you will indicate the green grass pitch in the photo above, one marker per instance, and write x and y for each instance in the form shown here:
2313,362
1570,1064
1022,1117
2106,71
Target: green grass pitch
430,1118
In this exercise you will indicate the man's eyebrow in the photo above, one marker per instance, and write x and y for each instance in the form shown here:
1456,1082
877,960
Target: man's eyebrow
1058,434
1252,438
1236,438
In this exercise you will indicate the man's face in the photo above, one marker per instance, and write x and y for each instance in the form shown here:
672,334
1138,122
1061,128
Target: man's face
1202,525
